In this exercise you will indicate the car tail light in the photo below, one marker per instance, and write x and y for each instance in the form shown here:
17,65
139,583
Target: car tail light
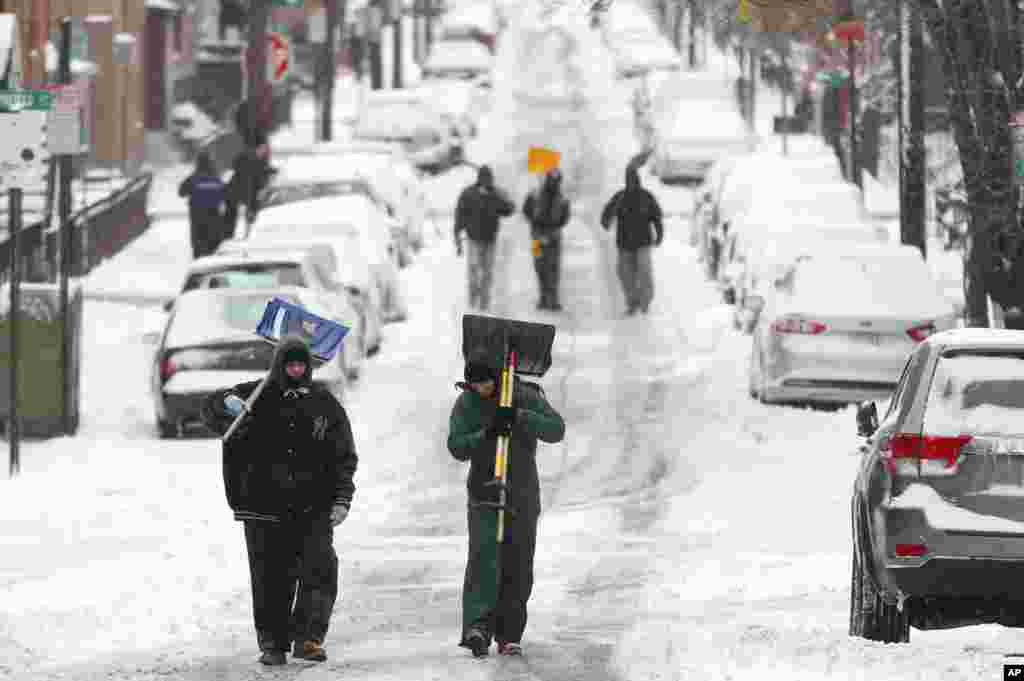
167,369
795,325
921,331
911,550
924,455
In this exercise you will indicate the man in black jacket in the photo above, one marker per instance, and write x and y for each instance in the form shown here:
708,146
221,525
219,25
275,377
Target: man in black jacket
638,226
477,213
547,211
288,476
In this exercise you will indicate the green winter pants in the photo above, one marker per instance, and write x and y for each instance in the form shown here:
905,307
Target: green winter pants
498,612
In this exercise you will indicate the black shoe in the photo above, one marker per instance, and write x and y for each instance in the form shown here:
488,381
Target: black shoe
555,307
273,658
477,642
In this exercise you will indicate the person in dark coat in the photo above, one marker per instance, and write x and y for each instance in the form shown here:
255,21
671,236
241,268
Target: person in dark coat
637,216
288,475
206,195
250,176
477,212
475,423
232,15
547,211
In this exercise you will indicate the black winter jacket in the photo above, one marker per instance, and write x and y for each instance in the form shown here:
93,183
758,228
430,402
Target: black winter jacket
478,211
636,212
293,456
557,213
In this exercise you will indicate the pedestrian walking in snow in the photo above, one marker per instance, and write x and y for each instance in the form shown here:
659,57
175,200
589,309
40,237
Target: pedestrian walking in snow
250,176
206,193
475,423
637,217
288,475
548,212
477,213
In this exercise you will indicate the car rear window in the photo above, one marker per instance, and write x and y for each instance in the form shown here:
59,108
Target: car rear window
248,276
201,319
976,394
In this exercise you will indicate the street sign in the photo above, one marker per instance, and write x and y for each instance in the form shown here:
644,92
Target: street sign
23,148
290,4
279,63
14,101
66,132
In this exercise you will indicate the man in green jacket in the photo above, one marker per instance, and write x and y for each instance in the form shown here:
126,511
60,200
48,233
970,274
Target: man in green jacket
474,426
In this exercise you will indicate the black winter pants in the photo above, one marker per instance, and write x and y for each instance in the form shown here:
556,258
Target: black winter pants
548,265
292,562
507,621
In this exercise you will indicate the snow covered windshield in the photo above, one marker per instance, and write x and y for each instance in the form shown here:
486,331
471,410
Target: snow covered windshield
976,394
262,275
199,319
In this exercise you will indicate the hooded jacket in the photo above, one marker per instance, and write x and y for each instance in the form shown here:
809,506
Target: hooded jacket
295,454
547,209
480,207
635,211
468,441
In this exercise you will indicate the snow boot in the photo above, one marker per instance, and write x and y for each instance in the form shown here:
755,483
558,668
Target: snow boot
309,650
273,658
509,648
477,642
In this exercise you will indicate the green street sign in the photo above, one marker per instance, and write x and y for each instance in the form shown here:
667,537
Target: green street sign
13,101
1018,168
293,4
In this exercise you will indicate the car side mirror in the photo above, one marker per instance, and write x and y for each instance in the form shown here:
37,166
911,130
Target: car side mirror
867,419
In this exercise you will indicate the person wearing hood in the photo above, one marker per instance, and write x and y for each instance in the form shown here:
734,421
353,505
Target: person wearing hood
547,211
637,217
477,213
206,195
474,425
288,476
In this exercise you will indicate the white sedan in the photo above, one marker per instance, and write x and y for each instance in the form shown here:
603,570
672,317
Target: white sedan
838,326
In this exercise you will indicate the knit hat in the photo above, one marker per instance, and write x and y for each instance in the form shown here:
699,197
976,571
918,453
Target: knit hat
295,354
479,373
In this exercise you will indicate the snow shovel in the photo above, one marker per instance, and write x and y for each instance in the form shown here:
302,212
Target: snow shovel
510,346
281,318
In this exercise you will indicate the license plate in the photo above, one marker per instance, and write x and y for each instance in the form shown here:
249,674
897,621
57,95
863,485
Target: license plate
866,337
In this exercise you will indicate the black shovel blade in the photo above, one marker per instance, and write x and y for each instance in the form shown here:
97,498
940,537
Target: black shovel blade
485,340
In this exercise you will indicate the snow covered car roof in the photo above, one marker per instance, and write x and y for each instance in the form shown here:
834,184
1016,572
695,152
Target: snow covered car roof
979,338
203,315
220,260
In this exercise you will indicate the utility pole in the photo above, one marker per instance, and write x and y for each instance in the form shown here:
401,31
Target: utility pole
64,216
396,7
910,70
752,88
256,67
14,197
785,112
330,68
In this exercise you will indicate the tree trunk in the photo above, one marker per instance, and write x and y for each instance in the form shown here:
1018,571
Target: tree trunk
910,71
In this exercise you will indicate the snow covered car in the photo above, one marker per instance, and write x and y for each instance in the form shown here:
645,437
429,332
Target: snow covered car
693,136
361,238
838,327
428,137
266,269
210,343
335,273
937,507
455,58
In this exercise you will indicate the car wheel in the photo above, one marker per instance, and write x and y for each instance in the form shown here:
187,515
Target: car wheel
870,616
166,430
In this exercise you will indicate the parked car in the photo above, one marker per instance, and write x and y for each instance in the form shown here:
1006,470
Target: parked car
209,343
298,267
428,137
838,327
695,135
457,58
387,179
358,231
335,272
937,507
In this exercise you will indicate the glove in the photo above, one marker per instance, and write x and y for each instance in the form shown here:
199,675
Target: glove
504,419
338,514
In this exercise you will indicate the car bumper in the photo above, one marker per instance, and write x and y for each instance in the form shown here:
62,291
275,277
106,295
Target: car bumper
804,372
948,577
